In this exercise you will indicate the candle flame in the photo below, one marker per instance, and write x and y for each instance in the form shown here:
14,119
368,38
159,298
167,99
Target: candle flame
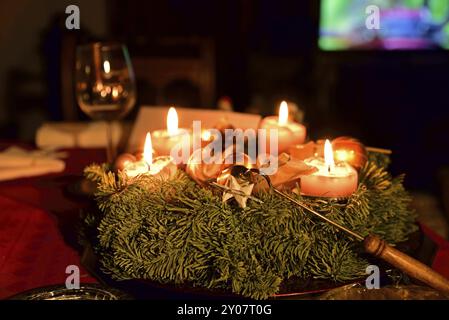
172,122
329,155
283,114
107,66
148,150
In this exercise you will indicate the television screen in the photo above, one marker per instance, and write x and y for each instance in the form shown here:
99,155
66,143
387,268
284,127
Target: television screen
384,24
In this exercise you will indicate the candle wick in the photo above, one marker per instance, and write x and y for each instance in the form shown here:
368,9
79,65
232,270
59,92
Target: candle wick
329,168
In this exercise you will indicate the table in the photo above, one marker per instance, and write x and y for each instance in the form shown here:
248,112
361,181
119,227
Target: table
38,219
38,238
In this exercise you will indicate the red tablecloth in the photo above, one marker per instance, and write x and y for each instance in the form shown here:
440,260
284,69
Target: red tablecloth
38,234
37,228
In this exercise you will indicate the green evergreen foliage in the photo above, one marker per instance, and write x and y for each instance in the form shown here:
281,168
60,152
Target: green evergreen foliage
178,232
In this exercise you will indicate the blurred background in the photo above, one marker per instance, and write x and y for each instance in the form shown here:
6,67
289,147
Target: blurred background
254,54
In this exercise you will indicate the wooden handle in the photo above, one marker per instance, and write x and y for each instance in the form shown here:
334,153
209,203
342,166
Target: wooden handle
415,269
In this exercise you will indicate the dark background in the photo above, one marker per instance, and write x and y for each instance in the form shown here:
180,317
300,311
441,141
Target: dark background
263,52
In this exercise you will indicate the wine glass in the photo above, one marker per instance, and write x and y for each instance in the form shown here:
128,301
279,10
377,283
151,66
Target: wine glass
105,84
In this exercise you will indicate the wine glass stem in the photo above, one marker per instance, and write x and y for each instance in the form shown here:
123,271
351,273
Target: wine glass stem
110,146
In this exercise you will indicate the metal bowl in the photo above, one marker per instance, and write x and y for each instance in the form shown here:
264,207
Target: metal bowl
85,292
403,292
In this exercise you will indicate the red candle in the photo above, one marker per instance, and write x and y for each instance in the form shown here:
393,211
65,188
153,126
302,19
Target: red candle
290,133
331,180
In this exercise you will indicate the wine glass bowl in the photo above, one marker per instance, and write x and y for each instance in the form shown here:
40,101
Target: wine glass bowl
105,83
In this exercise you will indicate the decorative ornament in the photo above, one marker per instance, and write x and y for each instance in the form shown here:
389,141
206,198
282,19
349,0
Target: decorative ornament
239,190
123,161
237,182
164,168
203,172
288,173
350,150
302,151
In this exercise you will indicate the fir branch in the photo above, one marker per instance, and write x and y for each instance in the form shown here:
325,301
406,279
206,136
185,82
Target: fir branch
178,232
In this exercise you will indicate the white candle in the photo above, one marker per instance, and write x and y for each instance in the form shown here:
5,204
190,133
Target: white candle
165,140
290,133
161,166
331,180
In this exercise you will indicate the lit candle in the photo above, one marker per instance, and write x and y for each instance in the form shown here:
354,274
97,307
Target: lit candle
289,132
166,140
331,180
136,168
161,166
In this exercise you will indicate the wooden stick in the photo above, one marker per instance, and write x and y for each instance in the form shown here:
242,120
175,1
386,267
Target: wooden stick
415,269
379,248
379,150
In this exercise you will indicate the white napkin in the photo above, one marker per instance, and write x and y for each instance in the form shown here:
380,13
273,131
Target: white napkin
77,135
18,163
